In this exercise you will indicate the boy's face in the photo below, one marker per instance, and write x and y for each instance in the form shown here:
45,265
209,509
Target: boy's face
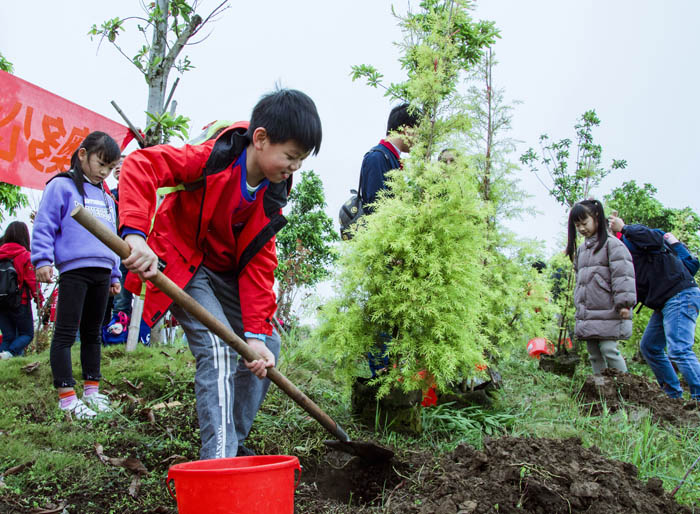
277,161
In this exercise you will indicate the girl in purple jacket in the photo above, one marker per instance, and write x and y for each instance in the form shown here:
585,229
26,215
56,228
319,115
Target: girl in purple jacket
88,270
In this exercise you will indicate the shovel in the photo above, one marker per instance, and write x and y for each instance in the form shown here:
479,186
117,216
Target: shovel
365,450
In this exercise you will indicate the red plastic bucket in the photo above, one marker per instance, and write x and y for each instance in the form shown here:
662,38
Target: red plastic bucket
538,346
255,485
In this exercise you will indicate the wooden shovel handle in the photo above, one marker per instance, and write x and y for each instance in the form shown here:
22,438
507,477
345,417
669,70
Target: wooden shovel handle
180,297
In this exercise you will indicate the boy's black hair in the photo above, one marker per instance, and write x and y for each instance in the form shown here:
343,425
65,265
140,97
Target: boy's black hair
288,114
98,143
579,212
401,117
16,232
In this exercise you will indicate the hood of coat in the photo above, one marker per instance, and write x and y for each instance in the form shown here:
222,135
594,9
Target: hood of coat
11,250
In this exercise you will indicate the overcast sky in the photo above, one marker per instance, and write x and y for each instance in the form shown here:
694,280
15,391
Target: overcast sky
634,61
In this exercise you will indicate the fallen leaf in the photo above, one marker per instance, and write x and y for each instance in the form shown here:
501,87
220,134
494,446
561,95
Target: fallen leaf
31,367
99,450
132,399
131,463
174,459
135,486
49,509
168,405
18,469
167,355
148,414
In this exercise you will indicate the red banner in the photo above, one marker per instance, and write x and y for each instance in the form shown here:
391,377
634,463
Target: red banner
39,131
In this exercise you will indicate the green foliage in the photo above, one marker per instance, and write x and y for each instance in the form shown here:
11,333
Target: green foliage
413,271
165,126
517,299
167,27
562,281
441,42
304,246
572,185
180,22
11,196
11,199
5,65
636,204
430,268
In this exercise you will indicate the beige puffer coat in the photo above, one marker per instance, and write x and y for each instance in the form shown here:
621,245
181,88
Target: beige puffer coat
604,285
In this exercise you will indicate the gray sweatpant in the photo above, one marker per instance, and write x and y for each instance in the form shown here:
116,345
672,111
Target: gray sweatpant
604,354
228,394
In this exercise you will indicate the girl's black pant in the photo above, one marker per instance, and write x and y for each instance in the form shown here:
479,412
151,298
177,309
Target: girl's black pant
82,300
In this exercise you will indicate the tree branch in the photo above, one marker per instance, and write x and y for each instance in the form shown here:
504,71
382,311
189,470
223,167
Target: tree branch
181,41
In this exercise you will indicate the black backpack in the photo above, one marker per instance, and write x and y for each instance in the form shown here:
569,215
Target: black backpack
10,293
352,210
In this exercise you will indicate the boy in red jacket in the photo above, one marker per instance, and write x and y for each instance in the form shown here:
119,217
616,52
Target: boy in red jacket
215,238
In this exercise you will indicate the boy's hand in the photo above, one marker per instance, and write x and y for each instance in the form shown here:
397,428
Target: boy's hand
44,274
670,238
616,223
115,288
259,367
625,313
142,260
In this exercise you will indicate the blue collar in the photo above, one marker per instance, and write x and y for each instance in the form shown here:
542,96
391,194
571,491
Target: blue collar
244,178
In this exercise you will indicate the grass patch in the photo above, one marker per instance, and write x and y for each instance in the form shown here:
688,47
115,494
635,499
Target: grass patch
67,469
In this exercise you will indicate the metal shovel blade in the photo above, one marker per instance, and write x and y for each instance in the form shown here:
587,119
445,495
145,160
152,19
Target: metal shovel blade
369,452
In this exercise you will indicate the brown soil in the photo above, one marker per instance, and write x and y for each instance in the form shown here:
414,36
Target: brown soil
509,475
614,389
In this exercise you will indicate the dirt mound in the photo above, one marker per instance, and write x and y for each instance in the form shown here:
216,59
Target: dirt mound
616,389
510,475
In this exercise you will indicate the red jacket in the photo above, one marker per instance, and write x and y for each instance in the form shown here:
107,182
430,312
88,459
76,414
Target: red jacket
21,260
211,193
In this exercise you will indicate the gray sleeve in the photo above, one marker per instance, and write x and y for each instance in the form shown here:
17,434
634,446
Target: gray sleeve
621,275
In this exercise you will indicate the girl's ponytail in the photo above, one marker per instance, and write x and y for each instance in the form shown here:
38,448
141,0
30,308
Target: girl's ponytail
599,214
571,240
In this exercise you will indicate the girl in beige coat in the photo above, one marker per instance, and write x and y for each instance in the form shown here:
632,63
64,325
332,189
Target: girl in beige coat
605,288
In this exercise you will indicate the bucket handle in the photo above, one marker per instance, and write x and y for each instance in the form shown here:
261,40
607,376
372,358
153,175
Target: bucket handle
167,484
297,478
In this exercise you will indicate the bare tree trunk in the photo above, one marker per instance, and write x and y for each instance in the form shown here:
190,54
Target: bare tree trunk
157,76
489,130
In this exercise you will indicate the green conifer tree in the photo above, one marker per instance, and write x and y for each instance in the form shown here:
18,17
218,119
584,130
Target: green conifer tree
413,274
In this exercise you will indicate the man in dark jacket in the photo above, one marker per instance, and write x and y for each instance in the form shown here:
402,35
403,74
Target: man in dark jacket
664,272
386,155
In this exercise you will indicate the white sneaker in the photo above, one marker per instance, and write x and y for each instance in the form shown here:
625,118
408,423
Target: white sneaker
5,355
79,410
98,402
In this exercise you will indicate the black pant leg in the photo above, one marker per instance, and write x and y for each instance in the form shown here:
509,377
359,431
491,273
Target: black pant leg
96,297
72,287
